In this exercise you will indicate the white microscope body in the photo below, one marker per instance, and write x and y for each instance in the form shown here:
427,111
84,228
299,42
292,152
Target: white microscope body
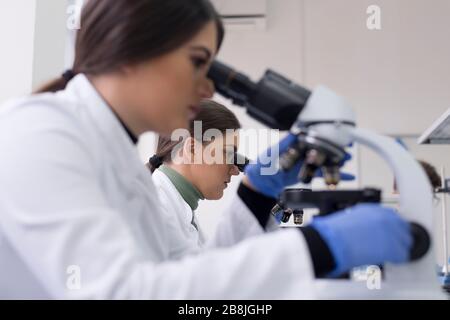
329,117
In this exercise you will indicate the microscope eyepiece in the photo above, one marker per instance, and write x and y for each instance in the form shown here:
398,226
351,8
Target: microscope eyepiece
231,84
240,161
274,100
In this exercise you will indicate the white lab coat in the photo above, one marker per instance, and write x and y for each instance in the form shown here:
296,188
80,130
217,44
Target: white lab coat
185,237
233,227
80,217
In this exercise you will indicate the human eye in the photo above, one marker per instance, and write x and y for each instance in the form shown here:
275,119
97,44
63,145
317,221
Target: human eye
199,62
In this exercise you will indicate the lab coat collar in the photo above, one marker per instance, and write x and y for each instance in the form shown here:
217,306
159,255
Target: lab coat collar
187,190
106,123
97,106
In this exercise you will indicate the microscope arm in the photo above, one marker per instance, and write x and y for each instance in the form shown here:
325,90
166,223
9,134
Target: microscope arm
415,204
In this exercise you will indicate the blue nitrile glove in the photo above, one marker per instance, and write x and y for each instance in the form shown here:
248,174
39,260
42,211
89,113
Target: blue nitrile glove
274,183
366,234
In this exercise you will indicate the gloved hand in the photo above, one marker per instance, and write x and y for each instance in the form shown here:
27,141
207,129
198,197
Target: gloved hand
366,234
272,185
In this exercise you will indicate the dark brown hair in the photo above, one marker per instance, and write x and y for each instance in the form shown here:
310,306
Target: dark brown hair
432,174
212,116
115,33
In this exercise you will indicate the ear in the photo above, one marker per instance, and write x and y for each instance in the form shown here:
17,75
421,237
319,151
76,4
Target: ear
189,149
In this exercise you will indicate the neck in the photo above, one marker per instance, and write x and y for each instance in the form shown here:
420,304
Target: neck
186,189
110,87
182,170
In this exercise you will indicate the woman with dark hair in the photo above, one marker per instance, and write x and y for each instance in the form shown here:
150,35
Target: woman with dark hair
183,182
79,213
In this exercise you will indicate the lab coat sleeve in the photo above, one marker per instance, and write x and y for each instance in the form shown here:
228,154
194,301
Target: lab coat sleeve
77,228
235,225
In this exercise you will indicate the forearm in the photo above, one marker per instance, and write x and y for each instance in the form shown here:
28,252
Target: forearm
260,206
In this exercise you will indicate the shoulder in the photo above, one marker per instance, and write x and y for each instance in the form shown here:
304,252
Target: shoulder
164,186
41,125
49,115
39,111
168,194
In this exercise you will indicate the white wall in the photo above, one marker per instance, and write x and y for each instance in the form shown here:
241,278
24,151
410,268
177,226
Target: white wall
397,78
17,20
49,40
33,35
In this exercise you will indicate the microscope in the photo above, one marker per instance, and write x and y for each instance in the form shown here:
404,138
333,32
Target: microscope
325,125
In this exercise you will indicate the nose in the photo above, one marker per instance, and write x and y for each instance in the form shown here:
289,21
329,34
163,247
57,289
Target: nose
206,89
234,171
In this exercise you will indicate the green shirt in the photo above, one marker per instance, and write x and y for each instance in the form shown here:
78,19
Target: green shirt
188,192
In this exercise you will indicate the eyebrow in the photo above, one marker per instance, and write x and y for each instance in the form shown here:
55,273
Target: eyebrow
205,50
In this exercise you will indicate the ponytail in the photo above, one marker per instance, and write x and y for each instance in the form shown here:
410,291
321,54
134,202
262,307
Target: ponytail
57,84
155,162
163,154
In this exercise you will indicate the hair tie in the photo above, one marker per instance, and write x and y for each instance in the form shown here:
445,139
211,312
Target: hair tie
68,75
156,161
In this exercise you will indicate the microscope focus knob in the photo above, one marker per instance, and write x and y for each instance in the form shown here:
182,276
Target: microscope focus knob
421,241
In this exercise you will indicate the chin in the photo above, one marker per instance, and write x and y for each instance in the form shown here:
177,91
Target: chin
166,131
215,196
174,125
